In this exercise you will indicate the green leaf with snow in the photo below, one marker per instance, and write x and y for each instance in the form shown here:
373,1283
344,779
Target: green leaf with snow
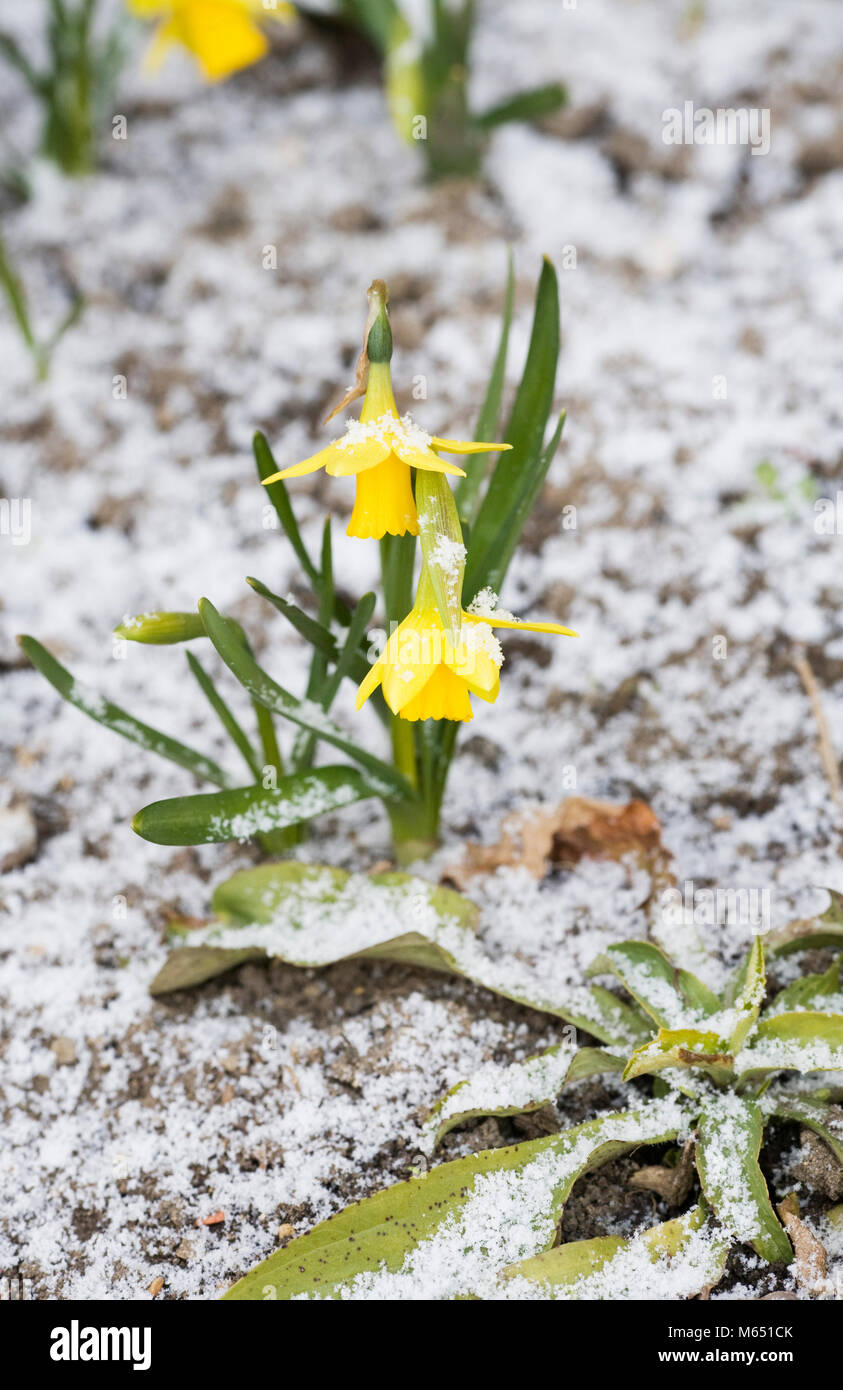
812,1110
813,992
673,998
692,1254
744,996
435,1230
811,932
118,720
592,1061
305,713
244,812
688,1048
728,1144
500,1091
312,915
804,1042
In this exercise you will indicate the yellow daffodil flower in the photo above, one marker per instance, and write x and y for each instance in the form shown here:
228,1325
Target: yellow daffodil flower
428,673
221,34
381,447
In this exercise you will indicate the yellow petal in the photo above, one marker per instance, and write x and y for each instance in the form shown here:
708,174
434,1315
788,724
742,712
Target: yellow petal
458,446
423,458
444,696
298,470
413,654
369,685
384,502
474,666
517,626
220,34
349,459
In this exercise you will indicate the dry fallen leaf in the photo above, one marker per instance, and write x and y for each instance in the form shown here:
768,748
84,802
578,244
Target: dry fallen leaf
673,1184
810,1263
578,827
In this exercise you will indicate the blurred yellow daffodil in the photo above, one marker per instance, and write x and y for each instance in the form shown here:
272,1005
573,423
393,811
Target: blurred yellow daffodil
222,35
428,672
381,447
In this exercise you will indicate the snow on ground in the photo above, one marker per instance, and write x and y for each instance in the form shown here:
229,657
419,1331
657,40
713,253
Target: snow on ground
275,1095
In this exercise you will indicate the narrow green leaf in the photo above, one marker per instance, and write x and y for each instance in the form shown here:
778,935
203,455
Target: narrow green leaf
304,713
688,1048
525,106
161,629
280,499
244,812
224,714
412,1225
745,995
469,488
515,471
111,716
312,631
728,1144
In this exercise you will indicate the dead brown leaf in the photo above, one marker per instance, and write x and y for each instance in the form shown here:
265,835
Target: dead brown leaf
672,1184
810,1263
579,827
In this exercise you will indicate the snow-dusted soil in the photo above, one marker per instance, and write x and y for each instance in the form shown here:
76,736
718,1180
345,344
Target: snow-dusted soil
702,340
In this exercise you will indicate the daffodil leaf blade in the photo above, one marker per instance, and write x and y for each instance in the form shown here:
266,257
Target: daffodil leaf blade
311,630
745,994
306,714
519,472
225,715
241,813
529,105
410,1226
118,720
280,499
729,1137
469,488
667,994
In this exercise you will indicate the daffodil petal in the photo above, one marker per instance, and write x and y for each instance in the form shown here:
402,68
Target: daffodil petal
460,446
298,470
474,666
220,34
517,626
369,685
350,459
424,458
444,696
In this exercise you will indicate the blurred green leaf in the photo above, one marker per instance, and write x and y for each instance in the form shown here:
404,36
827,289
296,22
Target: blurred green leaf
161,629
812,932
524,106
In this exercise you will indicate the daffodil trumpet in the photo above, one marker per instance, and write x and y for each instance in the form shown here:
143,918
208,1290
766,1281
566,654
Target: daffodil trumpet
382,447
222,35
427,671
